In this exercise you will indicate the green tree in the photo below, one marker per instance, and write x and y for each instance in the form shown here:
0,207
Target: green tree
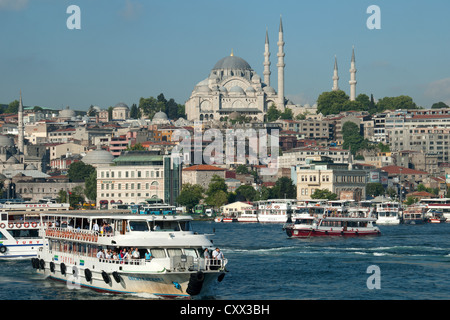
241,169
134,112
439,105
323,194
79,171
283,188
148,106
190,195
394,103
331,102
273,114
287,114
136,147
247,192
217,194
352,137
76,196
375,189
13,107
62,196
90,186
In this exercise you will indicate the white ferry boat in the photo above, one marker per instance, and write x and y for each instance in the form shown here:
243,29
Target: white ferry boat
247,215
274,210
439,204
388,213
33,206
19,235
177,267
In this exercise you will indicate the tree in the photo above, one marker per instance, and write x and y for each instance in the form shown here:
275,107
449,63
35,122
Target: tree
13,107
273,114
79,171
287,114
374,189
284,188
247,192
134,112
331,102
352,137
241,169
76,196
394,103
323,194
136,147
190,195
90,186
439,105
217,192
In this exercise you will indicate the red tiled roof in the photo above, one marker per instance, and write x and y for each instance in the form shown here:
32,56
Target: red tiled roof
397,169
203,167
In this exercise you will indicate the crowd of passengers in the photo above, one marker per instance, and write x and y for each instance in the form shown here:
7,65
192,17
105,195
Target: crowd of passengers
125,255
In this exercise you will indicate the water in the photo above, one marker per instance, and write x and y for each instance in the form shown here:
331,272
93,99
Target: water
264,264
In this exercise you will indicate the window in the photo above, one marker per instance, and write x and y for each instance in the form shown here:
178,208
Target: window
158,253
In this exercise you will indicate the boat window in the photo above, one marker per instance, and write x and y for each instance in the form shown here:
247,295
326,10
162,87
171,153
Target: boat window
185,226
138,225
190,252
23,234
166,226
158,253
174,252
2,236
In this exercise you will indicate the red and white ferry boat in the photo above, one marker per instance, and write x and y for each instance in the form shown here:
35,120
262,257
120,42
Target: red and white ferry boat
331,225
437,204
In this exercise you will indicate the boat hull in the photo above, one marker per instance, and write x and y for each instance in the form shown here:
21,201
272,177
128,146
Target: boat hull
161,284
17,249
306,233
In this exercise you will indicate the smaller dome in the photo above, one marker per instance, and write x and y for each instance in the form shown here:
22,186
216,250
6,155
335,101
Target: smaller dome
160,116
223,89
250,89
98,157
121,105
67,113
202,89
269,90
30,167
237,90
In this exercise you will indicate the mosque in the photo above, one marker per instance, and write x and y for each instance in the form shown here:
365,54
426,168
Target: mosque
234,89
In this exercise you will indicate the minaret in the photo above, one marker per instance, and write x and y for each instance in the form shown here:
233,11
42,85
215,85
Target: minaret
352,81
280,66
20,126
267,62
335,76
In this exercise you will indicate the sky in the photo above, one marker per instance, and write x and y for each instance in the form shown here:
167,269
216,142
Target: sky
128,49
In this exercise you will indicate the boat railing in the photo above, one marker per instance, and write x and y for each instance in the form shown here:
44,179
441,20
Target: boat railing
213,264
72,234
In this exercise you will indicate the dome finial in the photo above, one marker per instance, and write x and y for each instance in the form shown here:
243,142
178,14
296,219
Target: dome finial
232,54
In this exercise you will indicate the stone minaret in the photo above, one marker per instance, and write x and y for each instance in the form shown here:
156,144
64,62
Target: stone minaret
267,62
352,81
280,66
20,126
335,76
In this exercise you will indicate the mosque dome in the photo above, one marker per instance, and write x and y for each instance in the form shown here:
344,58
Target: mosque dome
121,105
250,89
232,62
67,113
98,156
236,90
160,116
6,141
269,90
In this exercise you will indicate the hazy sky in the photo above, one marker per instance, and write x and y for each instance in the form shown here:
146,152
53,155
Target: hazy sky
127,49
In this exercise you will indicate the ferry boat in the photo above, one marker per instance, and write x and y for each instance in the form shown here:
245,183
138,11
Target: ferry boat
79,250
435,216
247,216
332,225
274,210
33,206
388,213
414,214
440,204
19,235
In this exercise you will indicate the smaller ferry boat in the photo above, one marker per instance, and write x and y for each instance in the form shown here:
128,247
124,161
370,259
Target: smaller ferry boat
435,216
19,235
440,204
274,210
128,253
414,214
248,216
331,225
388,213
